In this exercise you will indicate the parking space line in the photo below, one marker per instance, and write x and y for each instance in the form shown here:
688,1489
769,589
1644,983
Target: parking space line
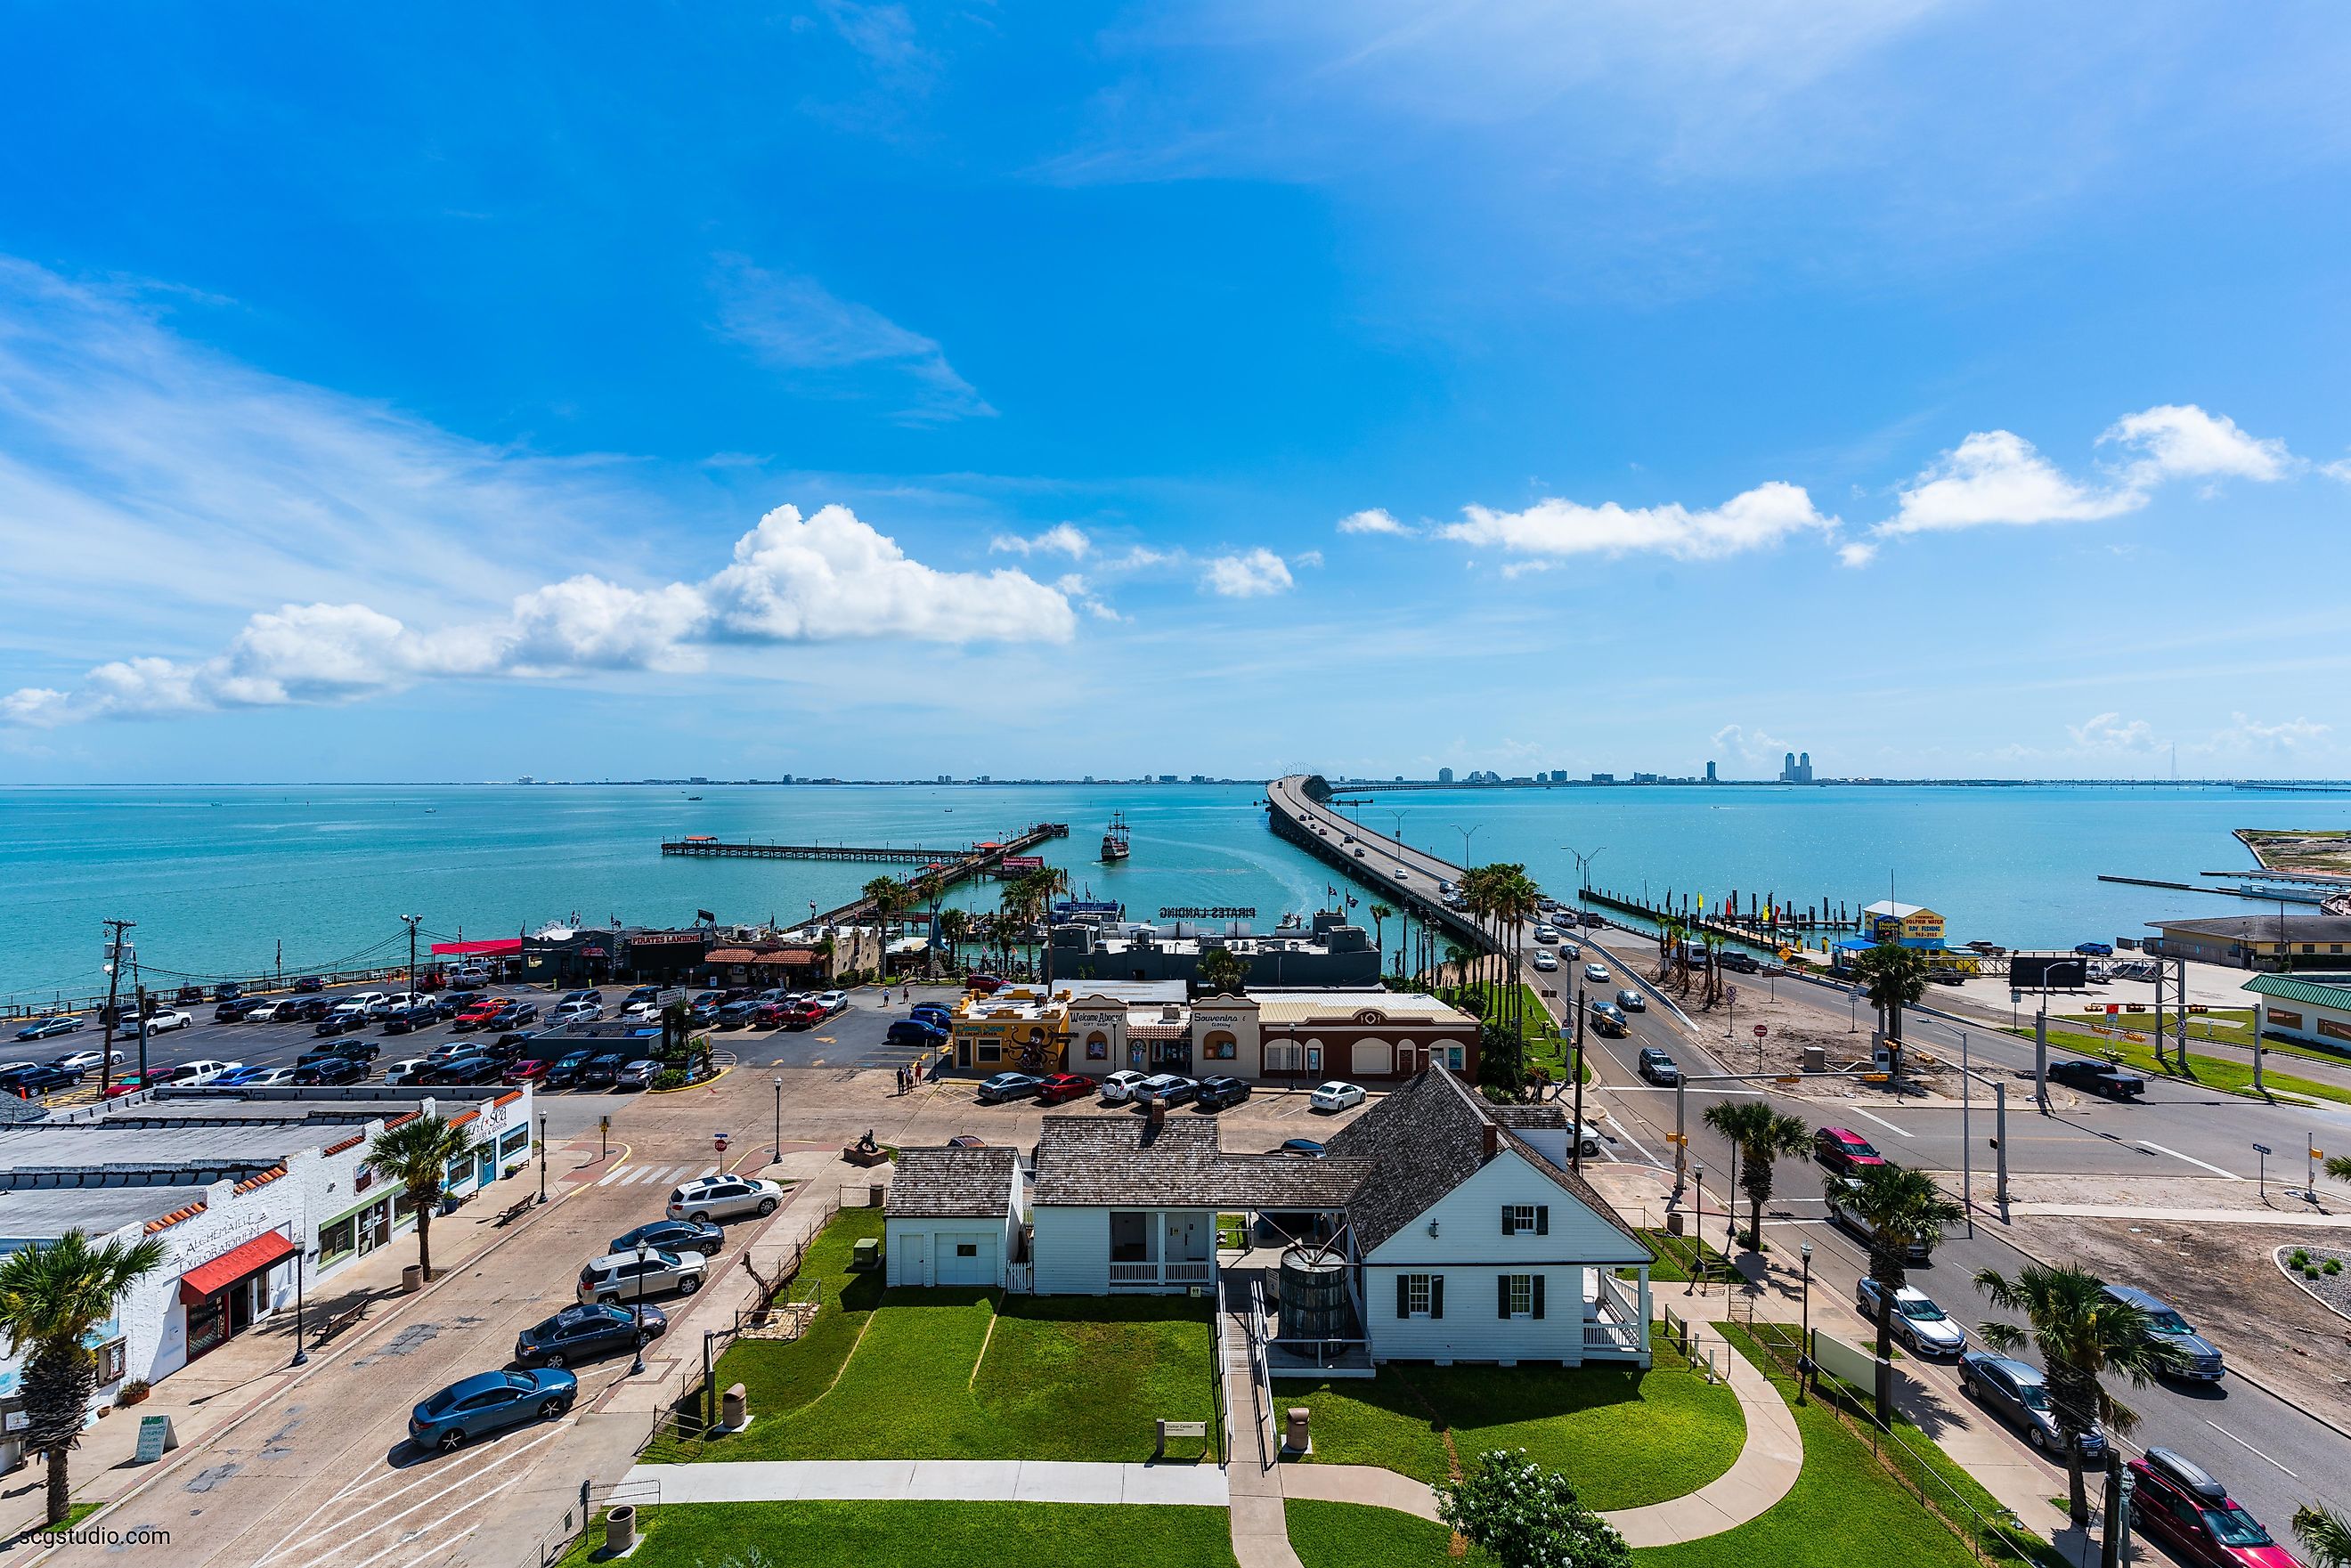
2193,1160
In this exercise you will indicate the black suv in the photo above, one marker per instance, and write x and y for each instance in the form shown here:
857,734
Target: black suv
567,1069
467,1070
583,1333
331,1068
602,1071
2096,1078
1216,1093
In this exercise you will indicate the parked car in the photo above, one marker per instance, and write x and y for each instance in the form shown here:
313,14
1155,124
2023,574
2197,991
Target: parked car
333,1069
1919,1322
1947,977
2184,1506
228,991
603,1070
1216,1093
465,1070
155,1077
1059,1088
702,1014
917,1031
1336,1095
84,1060
1844,1151
1837,1191
343,1020
934,1013
831,1001
2195,1359
416,1015
477,1016
734,1015
1597,974
264,1010
490,1402
311,1010
526,1071
188,996
166,1019
585,1331
357,1050
568,1069
2017,1393
2096,1078
1120,1086
236,1010
638,1074
1632,1001
310,983
201,1072
588,1012
2094,949
1169,1088
408,1070
725,1198
1008,1086
621,1277
986,984
571,998
37,1079
643,994
1738,963
256,1078
700,1235
1608,1021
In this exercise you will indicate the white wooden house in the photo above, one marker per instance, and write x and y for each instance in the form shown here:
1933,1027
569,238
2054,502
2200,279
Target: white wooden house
953,1218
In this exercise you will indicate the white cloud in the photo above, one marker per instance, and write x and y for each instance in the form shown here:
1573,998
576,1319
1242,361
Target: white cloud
1755,746
1373,520
1856,553
2245,734
2183,440
1061,539
1310,558
2110,731
1752,519
1258,573
795,324
827,577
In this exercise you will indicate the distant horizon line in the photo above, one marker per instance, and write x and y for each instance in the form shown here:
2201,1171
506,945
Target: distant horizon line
2320,785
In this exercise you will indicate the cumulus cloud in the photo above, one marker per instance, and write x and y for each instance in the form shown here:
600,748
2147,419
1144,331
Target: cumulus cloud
1856,553
832,345
2111,732
1254,575
1061,539
1373,520
2246,734
1998,478
1753,519
826,578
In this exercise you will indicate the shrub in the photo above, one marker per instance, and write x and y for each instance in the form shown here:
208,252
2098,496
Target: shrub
2332,1266
2298,1258
2311,1273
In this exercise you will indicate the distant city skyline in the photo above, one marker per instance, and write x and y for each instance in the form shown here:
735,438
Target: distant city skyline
899,391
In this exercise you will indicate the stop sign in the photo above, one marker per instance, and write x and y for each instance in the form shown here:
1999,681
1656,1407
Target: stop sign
1763,1029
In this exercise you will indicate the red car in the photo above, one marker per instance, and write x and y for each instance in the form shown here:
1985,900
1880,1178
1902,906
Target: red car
1844,1151
804,1015
524,1072
130,1086
986,984
476,1015
1064,1086
2184,1505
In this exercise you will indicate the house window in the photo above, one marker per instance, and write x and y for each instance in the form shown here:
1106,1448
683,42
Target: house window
1420,1295
1221,1047
1526,1219
1518,1295
991,1048
113,1358
2283,1020
1453,1057
1282,1056
967,1249
1097,1047
2334,1030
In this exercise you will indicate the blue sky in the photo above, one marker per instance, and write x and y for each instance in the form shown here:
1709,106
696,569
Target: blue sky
1943,389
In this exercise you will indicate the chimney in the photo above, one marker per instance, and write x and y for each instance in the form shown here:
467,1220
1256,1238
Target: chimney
1493,1140
1158,1114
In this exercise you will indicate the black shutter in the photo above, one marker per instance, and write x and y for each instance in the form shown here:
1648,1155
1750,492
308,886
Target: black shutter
1502,1295
1542,1219
1403,1295
1539,1279
1437,1295
1509,1220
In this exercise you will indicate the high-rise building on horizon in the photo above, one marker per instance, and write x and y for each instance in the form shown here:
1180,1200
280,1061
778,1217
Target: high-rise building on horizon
1796,769
1709,774
1445,775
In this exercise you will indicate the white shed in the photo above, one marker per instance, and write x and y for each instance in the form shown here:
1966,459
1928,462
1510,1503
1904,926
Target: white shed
953,1218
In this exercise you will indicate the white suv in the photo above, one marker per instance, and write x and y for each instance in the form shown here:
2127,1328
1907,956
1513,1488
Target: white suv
725,1198
621,1278
1120,1087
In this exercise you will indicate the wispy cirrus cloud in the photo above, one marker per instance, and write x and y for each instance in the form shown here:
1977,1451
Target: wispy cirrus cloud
1061,539
1768,514
836,347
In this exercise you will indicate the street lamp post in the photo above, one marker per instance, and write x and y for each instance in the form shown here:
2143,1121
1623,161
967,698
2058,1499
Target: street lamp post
542,1156
779,1117
637,1311
1804,1346
302,1294
1583,878
1698,1231
1467,834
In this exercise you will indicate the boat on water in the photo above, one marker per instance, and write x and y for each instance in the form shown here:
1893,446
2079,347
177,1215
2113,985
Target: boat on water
1114,844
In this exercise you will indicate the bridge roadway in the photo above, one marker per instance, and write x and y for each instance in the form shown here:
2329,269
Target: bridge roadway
1372,858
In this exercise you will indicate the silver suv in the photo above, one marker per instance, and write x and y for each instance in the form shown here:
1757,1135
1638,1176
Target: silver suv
621,1278
725,1197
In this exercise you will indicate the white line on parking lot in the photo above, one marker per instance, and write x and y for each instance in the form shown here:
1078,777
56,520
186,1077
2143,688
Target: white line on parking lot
1881,1122
2242,1444
2192,1159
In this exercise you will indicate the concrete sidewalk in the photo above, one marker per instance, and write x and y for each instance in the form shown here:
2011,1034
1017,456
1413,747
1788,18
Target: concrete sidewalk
933,1480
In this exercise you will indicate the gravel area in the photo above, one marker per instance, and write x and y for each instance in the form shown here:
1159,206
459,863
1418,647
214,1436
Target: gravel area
2334,1288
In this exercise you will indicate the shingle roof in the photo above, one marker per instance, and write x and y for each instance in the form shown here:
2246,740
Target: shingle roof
1543,1114
1085,1161
951,1183
1428,1138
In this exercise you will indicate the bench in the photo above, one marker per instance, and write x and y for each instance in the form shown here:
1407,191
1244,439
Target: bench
340,1321
515,1211
1177,1429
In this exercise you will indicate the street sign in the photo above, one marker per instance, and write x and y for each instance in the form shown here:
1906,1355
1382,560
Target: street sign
718,1141
156,1438
1761,1029
2262,1149
1732,992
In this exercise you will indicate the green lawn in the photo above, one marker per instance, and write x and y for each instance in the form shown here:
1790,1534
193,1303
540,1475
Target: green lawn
925,1535
961,1374
1677,1254
1623,1437
2212,1071
1349,1535
780,1378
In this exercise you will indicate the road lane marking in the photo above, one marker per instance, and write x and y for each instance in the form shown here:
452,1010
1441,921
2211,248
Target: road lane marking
494,1457
2242,1444
2193,1160
1881,1122
422,1530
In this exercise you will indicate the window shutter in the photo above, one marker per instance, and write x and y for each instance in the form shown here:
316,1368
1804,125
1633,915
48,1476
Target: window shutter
1437,1295
1510,1224
1542,1219
1403,1295
1502,1295
1539,1279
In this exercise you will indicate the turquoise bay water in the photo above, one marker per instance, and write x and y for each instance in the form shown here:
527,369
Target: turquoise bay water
217,877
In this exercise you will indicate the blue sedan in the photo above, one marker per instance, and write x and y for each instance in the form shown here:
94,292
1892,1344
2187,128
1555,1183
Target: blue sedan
45,1029
917,1031
490,1402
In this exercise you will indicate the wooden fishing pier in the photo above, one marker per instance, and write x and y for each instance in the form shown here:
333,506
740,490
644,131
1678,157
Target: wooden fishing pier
1765,922
949,866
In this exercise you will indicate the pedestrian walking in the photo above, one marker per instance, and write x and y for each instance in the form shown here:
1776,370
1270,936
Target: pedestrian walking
902,1080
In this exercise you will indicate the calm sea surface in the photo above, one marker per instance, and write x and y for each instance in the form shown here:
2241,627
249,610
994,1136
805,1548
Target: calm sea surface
217,878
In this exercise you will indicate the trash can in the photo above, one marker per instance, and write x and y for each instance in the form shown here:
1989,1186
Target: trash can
1294,1439
734,1405
412,1277
620,1529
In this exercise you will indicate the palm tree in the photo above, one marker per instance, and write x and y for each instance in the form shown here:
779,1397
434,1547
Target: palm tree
1223,972
931,891
1379,913
2326,1534
1045,884
2339,1167
1901,1208
2082,1334
954,930
417,1153
1893,977
52,1294
1760,1135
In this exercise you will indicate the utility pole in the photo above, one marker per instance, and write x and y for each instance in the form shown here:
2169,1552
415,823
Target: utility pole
2000,1146
411,920
114,929
1575,1134
2040,1055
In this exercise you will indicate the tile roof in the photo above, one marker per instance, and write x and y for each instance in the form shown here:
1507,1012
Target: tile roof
1093,1161
952,1183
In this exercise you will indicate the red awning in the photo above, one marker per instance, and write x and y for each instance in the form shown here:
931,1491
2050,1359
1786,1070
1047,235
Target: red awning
210,1279
501,945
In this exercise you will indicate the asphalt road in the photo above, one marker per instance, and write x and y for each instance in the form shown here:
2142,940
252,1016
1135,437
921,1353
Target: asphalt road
2274,1455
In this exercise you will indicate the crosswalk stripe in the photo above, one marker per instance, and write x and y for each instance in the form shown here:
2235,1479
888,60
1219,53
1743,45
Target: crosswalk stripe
614,1175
